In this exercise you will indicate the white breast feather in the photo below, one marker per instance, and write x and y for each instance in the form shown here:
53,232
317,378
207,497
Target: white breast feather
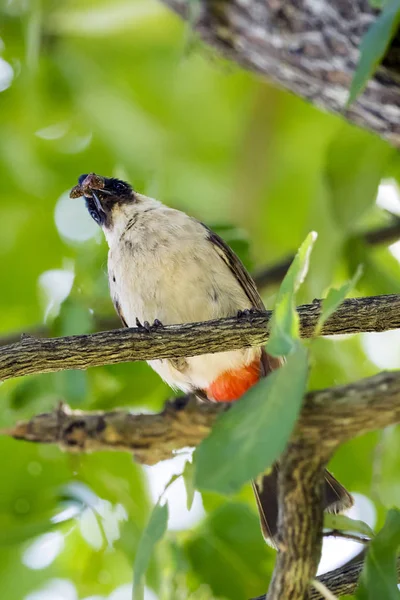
165,268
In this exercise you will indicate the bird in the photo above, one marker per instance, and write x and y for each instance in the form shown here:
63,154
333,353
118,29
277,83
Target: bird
166,267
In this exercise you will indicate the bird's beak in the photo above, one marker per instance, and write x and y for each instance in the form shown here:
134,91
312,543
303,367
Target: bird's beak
97,201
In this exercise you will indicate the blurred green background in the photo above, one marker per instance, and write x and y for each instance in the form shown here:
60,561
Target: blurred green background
124,88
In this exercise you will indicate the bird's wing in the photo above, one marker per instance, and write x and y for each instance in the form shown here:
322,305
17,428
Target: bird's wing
117,307
237,269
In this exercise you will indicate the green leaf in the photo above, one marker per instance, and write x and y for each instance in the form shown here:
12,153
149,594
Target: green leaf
153,533
285,328
227,552
188,479
374,45
172,480
379,575
343,523
335,297
251,435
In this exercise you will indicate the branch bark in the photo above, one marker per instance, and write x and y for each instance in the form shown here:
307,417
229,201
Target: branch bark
341,581
329,417
31,355
263,277
300,484
308,48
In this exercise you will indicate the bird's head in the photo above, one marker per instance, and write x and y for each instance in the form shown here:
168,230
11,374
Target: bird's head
102,195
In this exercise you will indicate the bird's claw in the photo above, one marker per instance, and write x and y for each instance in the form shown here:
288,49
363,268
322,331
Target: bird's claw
248,313
145,326
157,324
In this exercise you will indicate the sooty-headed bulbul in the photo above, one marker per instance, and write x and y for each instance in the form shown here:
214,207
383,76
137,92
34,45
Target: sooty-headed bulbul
165,267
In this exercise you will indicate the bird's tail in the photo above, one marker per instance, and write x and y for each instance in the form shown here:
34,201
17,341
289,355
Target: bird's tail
336,499
230,386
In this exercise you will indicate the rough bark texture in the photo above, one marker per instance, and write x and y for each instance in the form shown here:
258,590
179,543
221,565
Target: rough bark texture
263,277
341,581
310,47
329,417
300,533
32,355
151,438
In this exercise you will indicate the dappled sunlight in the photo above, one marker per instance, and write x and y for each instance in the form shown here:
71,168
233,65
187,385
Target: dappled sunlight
179,516
388,196
337,551
6,74
73,221
41,553
55,589
395,250
100,525
383,349
54,286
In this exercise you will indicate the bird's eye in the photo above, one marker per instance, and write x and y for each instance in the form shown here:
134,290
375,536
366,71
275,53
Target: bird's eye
120,187
95,216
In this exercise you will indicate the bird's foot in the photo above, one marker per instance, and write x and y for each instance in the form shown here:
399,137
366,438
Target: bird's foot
248,314
157,324
145,326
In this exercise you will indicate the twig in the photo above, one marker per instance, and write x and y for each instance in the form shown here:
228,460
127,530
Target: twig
383,235
276,272
31,355
352,537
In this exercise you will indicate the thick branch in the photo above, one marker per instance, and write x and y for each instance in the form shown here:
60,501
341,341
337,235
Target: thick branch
308,48
329,417
31,355
300,520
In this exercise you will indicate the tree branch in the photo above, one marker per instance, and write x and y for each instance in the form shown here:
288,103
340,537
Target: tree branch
263,277
308,48
351,537
341,581
300,520
150,437
31,355
329,417
275,273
